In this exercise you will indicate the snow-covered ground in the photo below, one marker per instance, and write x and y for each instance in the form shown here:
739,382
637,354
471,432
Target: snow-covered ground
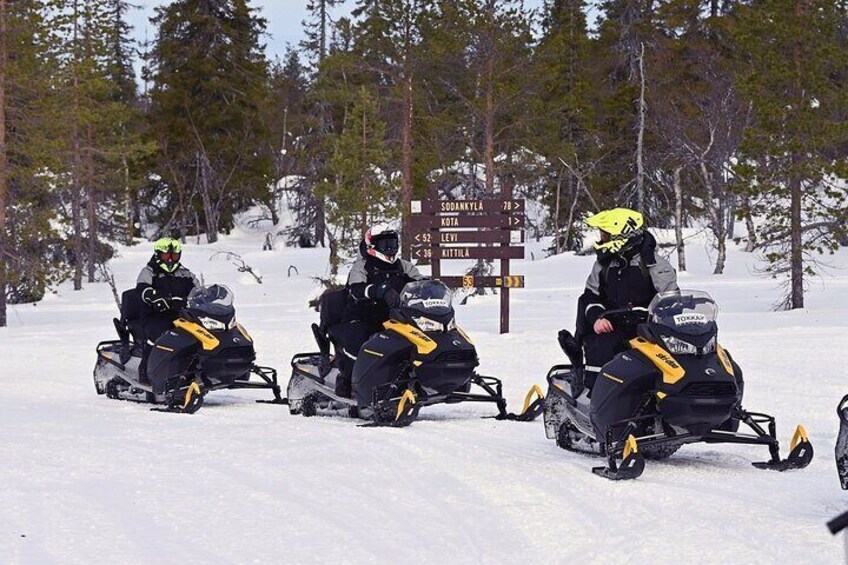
87,480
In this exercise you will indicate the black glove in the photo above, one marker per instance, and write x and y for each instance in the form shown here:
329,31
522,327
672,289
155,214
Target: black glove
387,294
155,300
391,298
647,252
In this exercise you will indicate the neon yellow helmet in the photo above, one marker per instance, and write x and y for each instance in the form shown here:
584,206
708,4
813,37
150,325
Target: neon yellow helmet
167,253
620,228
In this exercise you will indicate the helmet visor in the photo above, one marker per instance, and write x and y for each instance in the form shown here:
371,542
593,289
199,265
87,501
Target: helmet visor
387,244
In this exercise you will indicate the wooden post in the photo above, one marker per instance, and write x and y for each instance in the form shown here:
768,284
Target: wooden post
506,194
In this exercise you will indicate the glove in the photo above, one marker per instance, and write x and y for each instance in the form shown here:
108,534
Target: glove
647,252
159,303
391,298
387,294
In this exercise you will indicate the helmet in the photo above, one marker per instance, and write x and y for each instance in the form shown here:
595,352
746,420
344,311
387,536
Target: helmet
621,229
382,242
167,253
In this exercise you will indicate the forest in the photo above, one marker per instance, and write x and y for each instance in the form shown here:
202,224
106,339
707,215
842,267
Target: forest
708,114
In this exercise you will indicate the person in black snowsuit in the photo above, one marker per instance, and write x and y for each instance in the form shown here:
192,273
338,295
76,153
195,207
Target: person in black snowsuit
163,286
626,274
374,285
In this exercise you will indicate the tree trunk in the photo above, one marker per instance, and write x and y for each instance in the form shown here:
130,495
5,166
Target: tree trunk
678,221
557,234
76,184
640,143
211,216
749,225
489,112
91,208
3,163
796,252
406,140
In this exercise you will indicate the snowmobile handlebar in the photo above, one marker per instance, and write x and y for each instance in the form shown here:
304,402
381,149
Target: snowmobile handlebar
626,316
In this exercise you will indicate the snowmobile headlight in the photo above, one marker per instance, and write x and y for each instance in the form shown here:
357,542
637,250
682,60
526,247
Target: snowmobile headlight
709,347
212,324
428,325
452,324
679,347
232,323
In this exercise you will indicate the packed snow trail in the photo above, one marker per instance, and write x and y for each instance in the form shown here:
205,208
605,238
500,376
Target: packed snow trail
88,480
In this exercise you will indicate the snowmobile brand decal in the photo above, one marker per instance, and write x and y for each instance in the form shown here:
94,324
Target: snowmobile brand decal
430,303
424,344
690,318
206,339
725,360
672,372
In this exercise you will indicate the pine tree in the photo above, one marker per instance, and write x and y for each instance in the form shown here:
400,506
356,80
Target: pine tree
33,253
790,153
564,128
359,191
210,87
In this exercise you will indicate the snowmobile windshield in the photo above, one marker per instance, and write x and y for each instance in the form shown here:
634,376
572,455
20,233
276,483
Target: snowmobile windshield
690,312
427,298
216,300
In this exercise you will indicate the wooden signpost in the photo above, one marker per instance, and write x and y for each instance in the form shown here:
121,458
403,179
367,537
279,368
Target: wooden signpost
487,229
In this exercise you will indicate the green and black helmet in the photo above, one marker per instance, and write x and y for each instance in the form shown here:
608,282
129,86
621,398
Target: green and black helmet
167,253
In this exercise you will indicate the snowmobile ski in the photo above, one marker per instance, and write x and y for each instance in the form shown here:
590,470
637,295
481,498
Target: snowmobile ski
192,401
841,449
631,467
800,454
531,410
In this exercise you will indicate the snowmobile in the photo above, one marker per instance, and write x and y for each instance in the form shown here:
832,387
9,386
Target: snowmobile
841,449
420,358
674,385
207,349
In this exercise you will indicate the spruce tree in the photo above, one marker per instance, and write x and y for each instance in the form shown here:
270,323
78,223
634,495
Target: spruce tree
210,87
791,153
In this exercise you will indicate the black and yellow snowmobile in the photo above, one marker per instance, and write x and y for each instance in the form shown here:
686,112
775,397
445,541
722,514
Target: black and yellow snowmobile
675,385
420,358
207,349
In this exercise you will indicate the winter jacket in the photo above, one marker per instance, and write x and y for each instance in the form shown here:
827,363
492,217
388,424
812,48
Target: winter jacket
366,274
167,285
622,282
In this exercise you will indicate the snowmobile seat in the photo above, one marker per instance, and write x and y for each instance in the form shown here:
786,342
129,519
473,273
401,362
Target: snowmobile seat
332,307
133,310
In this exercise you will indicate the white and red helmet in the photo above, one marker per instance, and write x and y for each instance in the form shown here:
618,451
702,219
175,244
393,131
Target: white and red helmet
383,243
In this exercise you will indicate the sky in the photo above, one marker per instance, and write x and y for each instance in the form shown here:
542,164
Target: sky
284,20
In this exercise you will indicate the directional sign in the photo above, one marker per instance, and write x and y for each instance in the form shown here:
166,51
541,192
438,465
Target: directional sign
470,281
442,253
447,237
421,223
513,206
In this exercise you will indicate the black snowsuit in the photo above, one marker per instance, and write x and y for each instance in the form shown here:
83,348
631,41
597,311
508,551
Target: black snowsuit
147,324
622,281
364,315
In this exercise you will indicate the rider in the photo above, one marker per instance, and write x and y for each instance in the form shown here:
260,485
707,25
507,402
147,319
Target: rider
163,285
626,274
374,286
